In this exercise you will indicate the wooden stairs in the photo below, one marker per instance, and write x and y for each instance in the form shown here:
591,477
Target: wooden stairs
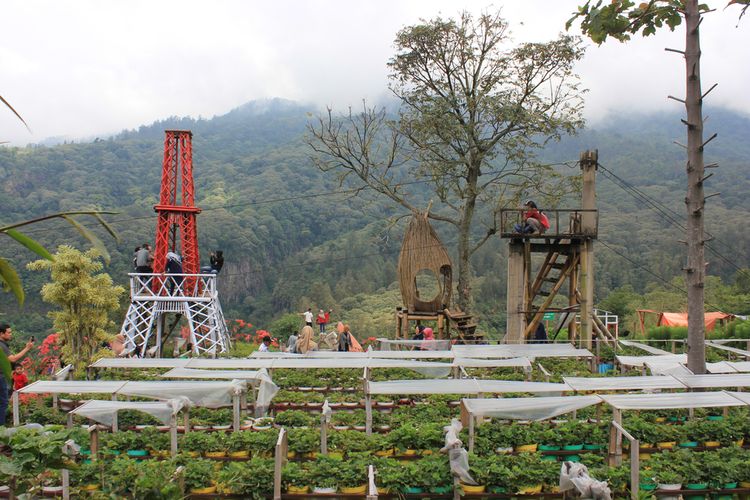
465,325
557,267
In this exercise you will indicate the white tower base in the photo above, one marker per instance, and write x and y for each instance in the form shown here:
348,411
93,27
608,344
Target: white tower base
192,295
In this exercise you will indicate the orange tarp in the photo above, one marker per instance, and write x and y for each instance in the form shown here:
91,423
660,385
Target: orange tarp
680,319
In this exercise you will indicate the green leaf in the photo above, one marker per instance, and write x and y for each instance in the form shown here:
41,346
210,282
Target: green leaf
89,236
11,280
29,243
106,225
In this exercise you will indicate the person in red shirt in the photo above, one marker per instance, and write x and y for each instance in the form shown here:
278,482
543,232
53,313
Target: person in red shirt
20,380
323,319
534,220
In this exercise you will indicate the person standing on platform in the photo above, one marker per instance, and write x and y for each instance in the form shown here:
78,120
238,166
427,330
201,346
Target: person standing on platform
308,317
144,260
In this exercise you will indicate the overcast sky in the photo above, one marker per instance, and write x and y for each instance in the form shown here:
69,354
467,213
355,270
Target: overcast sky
81,68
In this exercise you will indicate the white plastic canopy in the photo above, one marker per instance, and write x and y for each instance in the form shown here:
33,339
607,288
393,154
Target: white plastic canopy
434,345
645,382
104,411
716,381
735,350
720,367
739,366
201,393
527,408
461,386
671,400
664,359
520,350
73,387
493,363
667,368
139,362
355,355
267,389
644,347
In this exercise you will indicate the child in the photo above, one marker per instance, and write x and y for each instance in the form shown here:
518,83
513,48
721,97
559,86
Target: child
266,343
20,380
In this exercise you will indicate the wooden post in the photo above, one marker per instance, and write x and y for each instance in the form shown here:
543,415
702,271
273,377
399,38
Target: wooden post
187,420
615,439
236,412
635,465
173,435
114,421
472,424
279,461
588,161
368,408
323,434
16,415
372,489
94,441
516,320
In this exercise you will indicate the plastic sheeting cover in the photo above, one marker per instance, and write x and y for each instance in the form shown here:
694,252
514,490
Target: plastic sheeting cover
644,347
462,386
139,362
73,387
639,361
670,400
432,345
622,383
721,380
104,411
528,408
200,393
668,368
721,367
493,363
740,366
520,350
267,389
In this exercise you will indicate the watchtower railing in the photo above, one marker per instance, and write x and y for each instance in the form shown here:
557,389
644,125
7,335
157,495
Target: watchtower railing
172,287
564,223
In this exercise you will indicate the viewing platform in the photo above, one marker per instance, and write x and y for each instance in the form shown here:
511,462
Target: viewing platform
565,224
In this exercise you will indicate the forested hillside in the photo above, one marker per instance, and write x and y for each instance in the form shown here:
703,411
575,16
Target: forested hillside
292,237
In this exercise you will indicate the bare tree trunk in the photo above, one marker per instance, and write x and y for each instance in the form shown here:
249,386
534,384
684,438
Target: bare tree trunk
695,199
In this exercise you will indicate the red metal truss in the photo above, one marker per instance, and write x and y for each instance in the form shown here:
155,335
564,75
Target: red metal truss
176,209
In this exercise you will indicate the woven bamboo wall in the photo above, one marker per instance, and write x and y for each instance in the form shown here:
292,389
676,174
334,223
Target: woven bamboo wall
422,250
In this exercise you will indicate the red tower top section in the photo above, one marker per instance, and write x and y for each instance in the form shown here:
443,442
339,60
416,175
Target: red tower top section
176,209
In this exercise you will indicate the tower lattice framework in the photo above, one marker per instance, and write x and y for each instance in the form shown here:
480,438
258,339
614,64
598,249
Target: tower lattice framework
190,294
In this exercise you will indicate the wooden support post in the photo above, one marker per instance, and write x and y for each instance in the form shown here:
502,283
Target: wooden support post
589,161
94,441
70,420
173,435
186,420
16,415
472,424
635,465
323,434
279,461
516,319
372,489
236,412
114,422
441,327
615,440
368,409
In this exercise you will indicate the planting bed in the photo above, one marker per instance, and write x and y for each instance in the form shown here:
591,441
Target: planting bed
404,449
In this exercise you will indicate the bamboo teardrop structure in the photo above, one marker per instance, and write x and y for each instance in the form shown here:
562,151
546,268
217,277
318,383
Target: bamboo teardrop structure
422,251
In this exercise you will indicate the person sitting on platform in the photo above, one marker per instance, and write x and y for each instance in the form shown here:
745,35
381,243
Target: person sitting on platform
535,221
418,335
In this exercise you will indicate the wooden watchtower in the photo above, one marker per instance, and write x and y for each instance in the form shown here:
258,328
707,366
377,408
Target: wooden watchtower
567,251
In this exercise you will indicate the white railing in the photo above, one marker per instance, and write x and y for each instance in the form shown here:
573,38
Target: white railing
172,287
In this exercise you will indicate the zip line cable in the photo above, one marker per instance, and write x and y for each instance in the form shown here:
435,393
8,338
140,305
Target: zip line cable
667,213
660,278
278,200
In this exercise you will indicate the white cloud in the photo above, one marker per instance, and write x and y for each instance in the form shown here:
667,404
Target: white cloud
86,67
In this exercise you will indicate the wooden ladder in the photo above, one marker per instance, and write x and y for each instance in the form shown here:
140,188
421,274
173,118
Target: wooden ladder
555,270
